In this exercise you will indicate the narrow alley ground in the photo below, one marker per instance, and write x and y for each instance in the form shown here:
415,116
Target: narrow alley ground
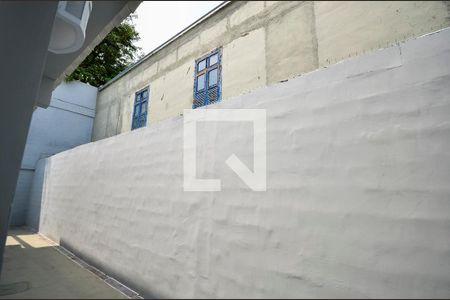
34,268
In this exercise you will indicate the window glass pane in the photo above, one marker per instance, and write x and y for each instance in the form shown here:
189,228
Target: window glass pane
135,123
136,110
200,82
202,65
143,121
214,59
144,94
212,77
75,8
144,107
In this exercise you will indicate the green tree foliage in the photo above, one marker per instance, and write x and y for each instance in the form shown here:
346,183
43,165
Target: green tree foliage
116,52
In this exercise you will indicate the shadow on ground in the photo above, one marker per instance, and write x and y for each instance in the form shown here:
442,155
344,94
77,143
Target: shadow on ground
33,268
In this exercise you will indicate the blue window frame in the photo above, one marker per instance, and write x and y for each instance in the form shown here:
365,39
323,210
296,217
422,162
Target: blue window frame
140,109
208,81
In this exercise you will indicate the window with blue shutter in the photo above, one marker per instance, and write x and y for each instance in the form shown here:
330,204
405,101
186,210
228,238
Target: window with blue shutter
140,109
207,83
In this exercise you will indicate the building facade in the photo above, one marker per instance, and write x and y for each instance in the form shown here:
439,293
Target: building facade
66,123
357,201
241,46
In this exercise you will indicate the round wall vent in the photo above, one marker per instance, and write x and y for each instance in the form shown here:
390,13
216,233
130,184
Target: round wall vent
69,28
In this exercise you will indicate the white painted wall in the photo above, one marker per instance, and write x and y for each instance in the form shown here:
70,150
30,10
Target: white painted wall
36,195
357,202
67,122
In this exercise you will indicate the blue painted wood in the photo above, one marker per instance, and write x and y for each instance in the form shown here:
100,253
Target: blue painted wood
140,108
210,93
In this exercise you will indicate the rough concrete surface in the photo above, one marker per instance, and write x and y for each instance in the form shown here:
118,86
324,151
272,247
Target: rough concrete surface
262,43
34,269
357,201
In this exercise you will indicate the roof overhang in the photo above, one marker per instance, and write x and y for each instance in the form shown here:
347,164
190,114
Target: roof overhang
104,17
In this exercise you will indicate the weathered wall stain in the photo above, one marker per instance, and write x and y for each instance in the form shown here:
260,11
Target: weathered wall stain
263,43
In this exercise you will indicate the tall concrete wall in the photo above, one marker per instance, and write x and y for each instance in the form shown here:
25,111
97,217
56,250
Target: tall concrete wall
357,201
262,43
66,123
36,194
19,209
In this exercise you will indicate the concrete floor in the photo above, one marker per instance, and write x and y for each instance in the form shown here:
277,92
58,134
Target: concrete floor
33,268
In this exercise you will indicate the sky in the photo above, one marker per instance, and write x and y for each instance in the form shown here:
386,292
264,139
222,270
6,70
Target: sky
158,21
